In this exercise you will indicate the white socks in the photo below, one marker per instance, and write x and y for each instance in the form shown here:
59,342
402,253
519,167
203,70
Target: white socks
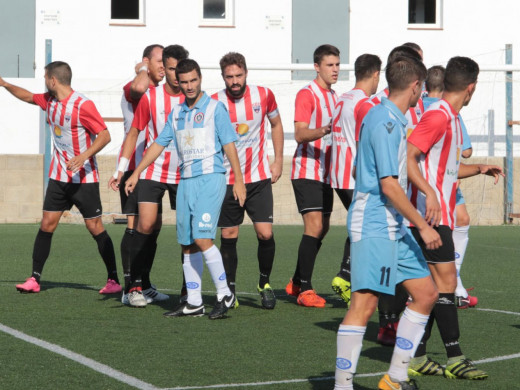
409,334
216,269
460,240
349,343
193,268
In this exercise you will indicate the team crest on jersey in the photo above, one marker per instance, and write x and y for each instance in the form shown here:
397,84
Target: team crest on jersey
199,117
67,117
256,107
57,131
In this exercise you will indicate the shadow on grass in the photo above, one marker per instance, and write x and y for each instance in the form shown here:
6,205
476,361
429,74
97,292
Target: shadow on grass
49,285
326,382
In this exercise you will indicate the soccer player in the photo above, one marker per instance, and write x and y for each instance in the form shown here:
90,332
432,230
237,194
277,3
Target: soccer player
367,68
383,251
199,129
435,86
434,150
391,306
78,133
310,176
161,176
149,73
250,107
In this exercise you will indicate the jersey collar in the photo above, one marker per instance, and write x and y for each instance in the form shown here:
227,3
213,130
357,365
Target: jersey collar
394,110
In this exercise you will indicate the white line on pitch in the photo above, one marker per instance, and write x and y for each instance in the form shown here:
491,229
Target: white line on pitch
500,311
229,385
92,364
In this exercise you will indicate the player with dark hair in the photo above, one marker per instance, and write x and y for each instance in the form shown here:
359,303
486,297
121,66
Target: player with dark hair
250,109
310,176
367,68
200,130
434,166
384,252
161,176
78,134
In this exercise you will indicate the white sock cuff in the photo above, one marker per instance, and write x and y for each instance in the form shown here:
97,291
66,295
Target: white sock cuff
415,317
351,330
461,229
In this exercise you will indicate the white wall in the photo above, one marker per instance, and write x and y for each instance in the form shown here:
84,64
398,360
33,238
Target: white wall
102,57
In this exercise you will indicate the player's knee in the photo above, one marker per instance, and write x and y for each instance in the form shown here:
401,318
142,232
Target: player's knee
264,236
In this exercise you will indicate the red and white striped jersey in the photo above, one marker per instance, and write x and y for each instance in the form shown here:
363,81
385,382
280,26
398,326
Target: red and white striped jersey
413,114
150,117
344,138
439,137
128,106
74,123
315,106
248,115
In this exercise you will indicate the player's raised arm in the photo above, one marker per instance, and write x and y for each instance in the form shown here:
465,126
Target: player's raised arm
277,138
18,92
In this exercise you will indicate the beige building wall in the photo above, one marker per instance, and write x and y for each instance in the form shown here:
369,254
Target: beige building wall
21,194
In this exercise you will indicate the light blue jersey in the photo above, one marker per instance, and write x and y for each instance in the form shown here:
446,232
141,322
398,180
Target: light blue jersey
466,141
381,153
200,133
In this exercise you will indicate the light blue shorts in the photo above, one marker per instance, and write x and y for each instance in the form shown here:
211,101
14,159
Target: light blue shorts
378,264
199,200
459,198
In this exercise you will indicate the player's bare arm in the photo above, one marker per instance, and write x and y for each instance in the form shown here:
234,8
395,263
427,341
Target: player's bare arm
239,188
302,133
433,209
277,138
393,191
149,157
126,153
141,81
18,92
77,162
468,170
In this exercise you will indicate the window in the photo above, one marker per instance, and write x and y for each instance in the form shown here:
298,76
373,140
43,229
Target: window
424,14
127,12
217,13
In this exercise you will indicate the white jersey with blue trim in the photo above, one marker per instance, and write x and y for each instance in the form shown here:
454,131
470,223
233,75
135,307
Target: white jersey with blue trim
381,153
199,134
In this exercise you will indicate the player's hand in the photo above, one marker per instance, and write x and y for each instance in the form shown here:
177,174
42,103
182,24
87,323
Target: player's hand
276,170
433,210
326,129
115,182
492,170
431,238
144,62
76,163
239,192
131,182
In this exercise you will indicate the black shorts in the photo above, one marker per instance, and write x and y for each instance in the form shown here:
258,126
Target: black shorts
151,191
62,196
258,204
444,254
345,196
128,203
313,195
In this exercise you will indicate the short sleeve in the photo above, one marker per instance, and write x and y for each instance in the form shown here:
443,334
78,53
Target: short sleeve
142,114
304,106
385,144
41,99
272,107
466,141
223,127
429,131
90,118
360,114
166,136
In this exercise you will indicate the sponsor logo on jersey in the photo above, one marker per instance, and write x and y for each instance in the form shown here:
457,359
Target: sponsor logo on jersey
57,131
390,127
403,343
343,364
256,107
242,129
199,117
